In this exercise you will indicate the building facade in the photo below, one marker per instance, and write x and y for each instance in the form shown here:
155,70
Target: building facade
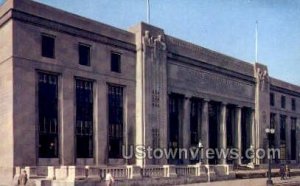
76,92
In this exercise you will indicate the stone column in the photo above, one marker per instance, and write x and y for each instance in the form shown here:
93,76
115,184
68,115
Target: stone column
252,132
298,140
223,132
238,132
205,129
186,135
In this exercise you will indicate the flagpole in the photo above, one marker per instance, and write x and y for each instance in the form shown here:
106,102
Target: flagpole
148,11
256,42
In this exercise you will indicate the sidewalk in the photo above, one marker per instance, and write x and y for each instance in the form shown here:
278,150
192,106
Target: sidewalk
294,181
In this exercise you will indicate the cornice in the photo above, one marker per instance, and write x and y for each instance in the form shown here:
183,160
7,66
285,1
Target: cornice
68,29
210,67
284,90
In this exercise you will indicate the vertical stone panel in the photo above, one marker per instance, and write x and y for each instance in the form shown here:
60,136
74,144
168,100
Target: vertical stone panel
186,127
151,91
238,132
6,120
67,117
102,124
252,132
205,129
25,117
222,132
262,104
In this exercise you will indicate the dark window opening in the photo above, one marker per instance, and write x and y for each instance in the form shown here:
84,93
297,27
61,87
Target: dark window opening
48,46
282,127
230,127
84,54
115,64
282,137
293,138
175,105
293,104
213,119
245,130
48,115
272,126
272,99
115,118
195,120
84,118
282,101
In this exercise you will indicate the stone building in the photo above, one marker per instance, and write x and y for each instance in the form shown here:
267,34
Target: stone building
75,91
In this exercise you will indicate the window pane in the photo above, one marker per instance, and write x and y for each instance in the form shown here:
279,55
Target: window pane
272,99
48,46
293,104
115,62
282,101
115,118
84,54
84,118
48,115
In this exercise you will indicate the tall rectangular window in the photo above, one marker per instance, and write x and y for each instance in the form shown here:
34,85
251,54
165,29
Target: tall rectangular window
48,46
283,102
230,125
195,122
272,99
282,127
293,138
272,126
84,118
115,62
282,137
48,115
84,54
175,108
115,119
293,104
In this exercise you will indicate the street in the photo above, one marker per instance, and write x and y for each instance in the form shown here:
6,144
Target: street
250,182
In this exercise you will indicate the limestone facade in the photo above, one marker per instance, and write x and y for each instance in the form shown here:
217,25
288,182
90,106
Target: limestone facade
155,67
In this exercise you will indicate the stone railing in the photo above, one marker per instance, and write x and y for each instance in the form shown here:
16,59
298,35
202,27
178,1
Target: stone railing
186,170
153,171
121,172
118,172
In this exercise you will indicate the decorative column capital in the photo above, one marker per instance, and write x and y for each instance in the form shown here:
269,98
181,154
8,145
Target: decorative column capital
224,103
187,96
206,100
238,106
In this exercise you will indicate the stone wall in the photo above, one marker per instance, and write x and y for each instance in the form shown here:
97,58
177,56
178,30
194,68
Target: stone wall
6,103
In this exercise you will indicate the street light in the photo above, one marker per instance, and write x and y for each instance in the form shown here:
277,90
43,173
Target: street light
269,133
200,146
86,170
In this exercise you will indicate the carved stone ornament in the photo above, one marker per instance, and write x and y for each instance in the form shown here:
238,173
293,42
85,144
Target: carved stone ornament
147,39
263,79
159,43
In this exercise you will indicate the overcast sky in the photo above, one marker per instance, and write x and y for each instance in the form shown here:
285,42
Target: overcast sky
226,26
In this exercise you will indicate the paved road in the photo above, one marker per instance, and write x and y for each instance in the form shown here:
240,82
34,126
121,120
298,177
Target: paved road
248,182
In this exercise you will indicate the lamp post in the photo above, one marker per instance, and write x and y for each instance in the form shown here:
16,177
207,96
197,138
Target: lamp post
200,146
269,132
86,171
